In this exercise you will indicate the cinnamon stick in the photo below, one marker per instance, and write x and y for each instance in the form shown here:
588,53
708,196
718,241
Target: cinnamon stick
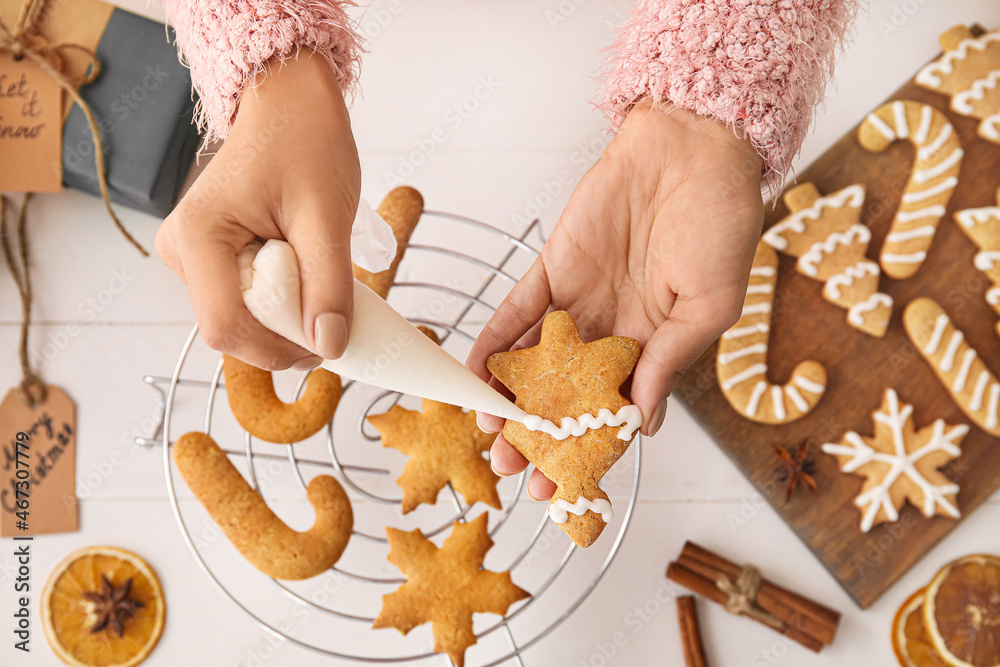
687,616
706,588
810,617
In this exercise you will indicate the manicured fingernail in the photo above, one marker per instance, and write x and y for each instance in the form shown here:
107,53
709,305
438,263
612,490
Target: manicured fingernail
480,425
528,491
656,419
495,471
307,363
331,335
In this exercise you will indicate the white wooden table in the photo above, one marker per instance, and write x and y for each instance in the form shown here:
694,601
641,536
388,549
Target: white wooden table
481,106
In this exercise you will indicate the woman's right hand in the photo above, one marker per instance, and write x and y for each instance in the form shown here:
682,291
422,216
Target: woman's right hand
288,170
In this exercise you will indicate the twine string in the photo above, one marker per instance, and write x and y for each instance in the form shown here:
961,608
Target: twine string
743,596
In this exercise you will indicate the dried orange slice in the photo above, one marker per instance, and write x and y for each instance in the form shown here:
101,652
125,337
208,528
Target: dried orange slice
962,612
102,607
909,636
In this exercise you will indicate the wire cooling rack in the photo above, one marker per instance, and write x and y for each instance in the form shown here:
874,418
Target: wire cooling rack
542,560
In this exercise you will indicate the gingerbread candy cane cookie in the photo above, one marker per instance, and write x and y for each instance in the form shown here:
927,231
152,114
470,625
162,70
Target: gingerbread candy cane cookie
741,363
258,409
934,177
401,208
824,233
264,539
960,369
982,225
969,71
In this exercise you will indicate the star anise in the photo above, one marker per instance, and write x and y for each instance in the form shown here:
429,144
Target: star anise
112,606
794,469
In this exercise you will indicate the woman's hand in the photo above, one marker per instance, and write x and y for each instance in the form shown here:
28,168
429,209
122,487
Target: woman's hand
655,243
288,170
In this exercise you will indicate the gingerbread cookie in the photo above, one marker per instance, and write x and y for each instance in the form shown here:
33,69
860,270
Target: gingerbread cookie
444,445
564,380
824,233
741,359
931,183
446,586
969,71
961,370
982,225
258,409
900,463
402,209
243,516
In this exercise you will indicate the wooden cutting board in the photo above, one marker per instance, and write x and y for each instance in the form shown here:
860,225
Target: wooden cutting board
860,368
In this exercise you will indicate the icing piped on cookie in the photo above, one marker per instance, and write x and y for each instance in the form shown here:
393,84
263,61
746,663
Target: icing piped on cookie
928,76
629,417
559,510
853,195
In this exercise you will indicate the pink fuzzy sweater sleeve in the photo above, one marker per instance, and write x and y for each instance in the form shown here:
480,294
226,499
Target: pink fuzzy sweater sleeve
227,43
757,65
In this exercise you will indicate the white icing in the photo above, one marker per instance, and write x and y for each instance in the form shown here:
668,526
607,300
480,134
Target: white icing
797,399
854,313
910,234
559,510
990,127
928,151
912,258
985,259
924,175
807,262
899,117
756,308
929,75
739,332
882,127
754,401
926,118
853,195
939,326
629,417
744,375
900,462
994,404
808,385
847,277
962,102
993,296
963,371
976,403
920,195
778,400
765,288
762,271
729,357
971,217
948,360
929,212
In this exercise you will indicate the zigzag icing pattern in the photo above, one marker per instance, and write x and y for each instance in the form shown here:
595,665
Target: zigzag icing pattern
982,225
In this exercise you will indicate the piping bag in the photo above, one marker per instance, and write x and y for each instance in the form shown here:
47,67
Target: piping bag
383,349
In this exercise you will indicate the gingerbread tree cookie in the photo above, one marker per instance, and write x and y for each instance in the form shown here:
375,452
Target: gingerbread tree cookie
566,381
969,71
900,463
444,445
446,586
824,233
982,225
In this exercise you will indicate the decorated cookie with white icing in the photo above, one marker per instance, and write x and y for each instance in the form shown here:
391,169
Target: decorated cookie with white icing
982,225
824,233
900,463
578,422
931,183
956,363
741,361
969,71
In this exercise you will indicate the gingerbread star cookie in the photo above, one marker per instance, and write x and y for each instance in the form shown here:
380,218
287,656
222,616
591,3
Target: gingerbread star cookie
565,381
446,586
444,445
900,463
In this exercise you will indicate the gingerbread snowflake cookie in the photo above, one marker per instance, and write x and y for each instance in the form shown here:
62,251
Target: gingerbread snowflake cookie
574,384
900,463
982,225
969,71
824,233
446,586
